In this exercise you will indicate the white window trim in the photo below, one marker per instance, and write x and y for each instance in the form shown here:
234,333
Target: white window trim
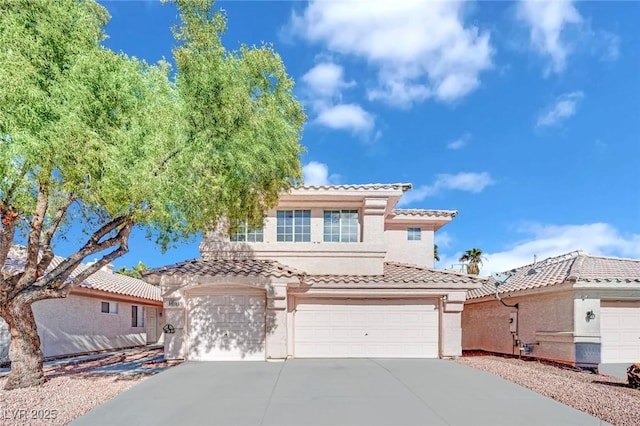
249,235
413,232
139,316
341,236
113,307
295,237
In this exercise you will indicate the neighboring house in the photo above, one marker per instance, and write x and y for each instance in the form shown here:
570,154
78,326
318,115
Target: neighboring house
577,309
336,271
106,311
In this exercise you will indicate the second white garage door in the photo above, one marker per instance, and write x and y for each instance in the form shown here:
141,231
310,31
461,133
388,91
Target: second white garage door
366,328
620,331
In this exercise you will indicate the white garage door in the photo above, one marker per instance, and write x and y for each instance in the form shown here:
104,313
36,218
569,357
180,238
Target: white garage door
620,331
226,326
366,328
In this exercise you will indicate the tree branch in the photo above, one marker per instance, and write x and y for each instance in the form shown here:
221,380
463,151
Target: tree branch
7,233
33,244
57,277
122,239
47,250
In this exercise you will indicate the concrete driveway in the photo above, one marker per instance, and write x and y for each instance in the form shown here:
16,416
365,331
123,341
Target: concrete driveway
331,392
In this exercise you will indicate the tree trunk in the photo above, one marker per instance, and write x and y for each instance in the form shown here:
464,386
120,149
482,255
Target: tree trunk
24,352
473,269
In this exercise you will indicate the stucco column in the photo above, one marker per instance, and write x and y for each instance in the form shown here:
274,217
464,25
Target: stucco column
174,314
276,321
451,325
586,332
373,211
174,344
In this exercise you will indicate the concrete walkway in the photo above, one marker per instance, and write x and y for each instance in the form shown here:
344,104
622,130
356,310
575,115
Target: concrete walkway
615,370
134,367
331,392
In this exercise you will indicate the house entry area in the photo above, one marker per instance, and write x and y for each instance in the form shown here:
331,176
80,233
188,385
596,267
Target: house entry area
365,328
226,325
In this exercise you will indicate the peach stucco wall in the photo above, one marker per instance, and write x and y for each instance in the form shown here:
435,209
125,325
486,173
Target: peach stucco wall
76,324
544,321
400,249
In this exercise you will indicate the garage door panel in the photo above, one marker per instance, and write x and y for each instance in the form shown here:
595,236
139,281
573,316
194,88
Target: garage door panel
366,328
620,331
226,327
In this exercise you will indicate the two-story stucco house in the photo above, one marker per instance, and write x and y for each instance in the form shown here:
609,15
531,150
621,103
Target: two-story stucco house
336,271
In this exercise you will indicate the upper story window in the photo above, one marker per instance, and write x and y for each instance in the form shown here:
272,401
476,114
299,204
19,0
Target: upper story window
414,234
293,225
245,233
341,226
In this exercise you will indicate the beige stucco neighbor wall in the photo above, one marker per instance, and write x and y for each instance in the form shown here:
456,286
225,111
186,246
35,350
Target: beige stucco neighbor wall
76,324
545,322
401,250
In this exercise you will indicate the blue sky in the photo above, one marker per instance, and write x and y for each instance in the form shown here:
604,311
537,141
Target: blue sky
523,116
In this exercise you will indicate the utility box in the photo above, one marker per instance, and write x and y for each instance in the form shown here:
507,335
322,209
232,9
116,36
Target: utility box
513,322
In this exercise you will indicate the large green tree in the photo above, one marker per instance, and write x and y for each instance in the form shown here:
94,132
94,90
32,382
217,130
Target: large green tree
96,139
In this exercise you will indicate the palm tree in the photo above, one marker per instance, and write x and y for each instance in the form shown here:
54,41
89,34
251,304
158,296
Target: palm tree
436,256
474,257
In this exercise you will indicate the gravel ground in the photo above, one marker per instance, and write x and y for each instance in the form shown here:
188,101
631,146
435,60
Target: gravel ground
71,390
605,397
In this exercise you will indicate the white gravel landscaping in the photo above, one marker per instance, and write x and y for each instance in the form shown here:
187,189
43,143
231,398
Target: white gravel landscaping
605,397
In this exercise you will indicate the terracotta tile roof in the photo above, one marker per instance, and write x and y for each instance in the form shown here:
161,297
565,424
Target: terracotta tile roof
396,275
369,186
234,267
422,212
101,280
570,267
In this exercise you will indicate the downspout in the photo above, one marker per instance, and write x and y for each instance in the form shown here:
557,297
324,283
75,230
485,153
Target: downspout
514,335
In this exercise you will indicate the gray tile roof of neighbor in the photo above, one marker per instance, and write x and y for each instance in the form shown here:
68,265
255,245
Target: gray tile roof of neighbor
570,267
101,280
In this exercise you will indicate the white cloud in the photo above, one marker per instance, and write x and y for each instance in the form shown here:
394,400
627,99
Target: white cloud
420,48
326,79
316,173
564,107
346,117
443,239
325,83
459,143
553,240
463,181
548,22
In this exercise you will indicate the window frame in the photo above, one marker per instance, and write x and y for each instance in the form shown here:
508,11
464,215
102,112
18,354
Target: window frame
345,231
112,307
413,232
299,228
137,316
250,235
